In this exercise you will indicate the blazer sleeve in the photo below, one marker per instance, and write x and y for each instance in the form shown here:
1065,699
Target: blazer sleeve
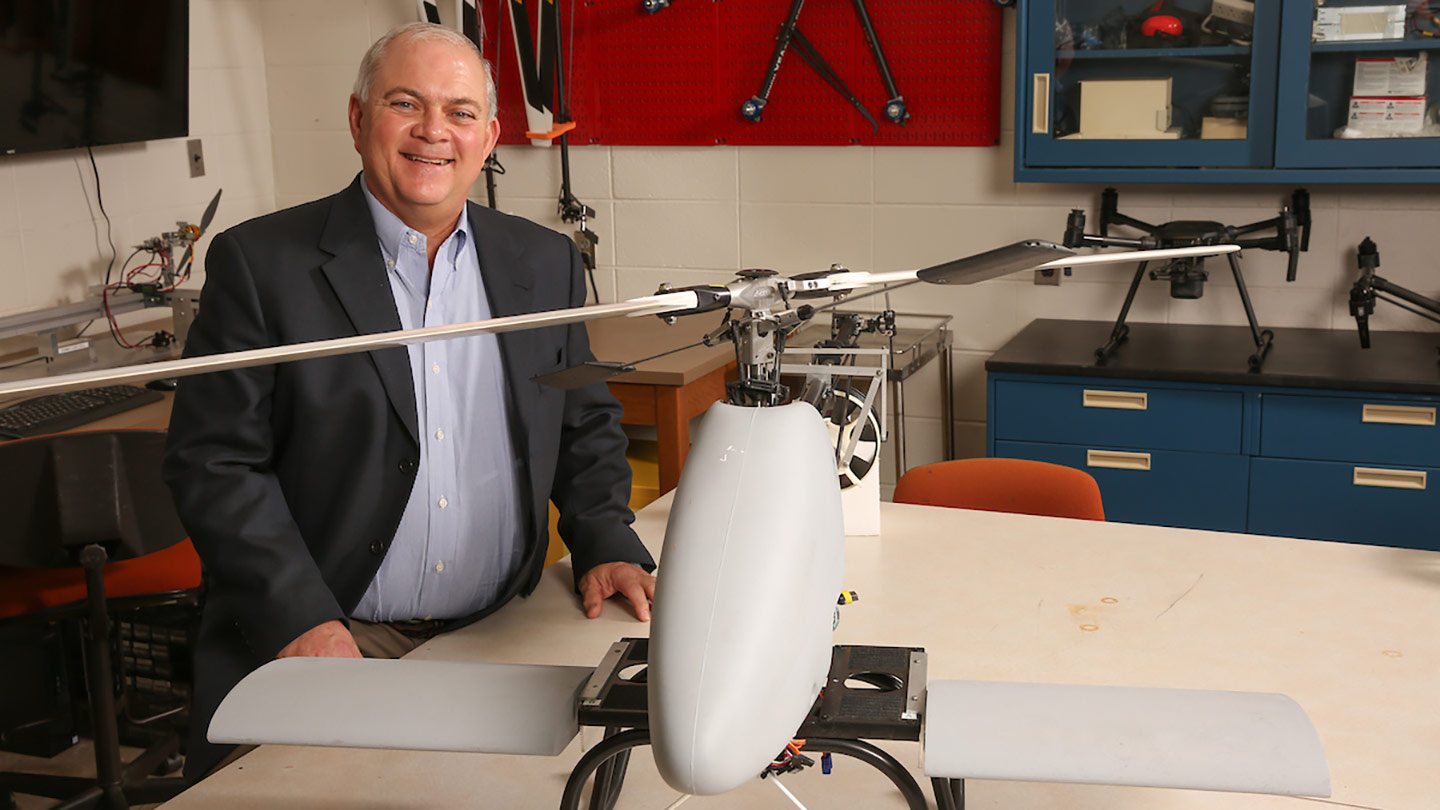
592,476
219,465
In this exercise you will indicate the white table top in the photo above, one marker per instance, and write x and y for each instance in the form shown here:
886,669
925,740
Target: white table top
1349,631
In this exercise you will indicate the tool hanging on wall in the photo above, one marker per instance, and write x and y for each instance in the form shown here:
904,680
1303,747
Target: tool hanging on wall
547,111
895,109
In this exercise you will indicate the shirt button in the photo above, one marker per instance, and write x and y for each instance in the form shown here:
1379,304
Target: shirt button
439,566
435,368
389,262
410,238
439,434
442,502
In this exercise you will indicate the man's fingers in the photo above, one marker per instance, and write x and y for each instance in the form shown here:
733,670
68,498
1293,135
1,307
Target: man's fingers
592,596
636,592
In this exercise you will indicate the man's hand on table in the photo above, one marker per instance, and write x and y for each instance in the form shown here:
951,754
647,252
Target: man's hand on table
608,579
329,640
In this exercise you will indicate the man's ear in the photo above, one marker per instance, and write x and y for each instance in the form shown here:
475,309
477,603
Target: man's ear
355,113
492,135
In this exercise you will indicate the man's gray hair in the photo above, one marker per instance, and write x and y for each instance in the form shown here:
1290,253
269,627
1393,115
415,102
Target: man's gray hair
370,63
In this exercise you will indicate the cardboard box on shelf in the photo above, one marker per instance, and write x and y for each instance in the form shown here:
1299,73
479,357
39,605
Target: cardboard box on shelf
1216,129
1125,108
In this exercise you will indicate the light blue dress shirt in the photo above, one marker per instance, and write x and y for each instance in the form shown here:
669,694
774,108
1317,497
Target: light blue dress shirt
459,541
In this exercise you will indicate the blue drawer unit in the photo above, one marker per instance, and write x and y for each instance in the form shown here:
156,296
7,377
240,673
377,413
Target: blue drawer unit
1326,441
1349,429
1119,415
1162,487
1328,500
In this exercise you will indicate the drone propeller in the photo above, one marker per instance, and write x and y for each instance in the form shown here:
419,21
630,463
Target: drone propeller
204,225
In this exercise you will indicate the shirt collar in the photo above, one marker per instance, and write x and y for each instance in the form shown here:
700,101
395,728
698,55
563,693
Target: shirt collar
394,234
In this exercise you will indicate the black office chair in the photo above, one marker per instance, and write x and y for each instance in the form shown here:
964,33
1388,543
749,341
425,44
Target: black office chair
72,503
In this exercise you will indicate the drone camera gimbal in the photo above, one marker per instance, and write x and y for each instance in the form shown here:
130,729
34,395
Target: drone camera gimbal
1187,276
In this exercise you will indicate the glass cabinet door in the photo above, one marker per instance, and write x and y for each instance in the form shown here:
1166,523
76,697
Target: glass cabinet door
1141,83
1359,89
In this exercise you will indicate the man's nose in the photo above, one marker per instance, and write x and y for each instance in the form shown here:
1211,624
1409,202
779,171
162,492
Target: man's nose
431,126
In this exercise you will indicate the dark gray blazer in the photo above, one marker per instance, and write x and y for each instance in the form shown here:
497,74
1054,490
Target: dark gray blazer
291,478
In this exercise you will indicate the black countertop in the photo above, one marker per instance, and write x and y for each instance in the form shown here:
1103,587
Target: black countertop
1401,362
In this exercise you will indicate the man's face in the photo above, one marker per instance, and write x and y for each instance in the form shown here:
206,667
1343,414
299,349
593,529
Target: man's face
425,132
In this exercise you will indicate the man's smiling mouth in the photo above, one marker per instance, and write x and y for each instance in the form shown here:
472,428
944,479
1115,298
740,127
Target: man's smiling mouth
430,161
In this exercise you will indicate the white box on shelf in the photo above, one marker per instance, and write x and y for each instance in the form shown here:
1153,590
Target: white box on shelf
1388,115
1390,76
1342,23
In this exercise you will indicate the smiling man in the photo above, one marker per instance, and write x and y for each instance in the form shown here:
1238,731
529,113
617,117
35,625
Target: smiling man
359,505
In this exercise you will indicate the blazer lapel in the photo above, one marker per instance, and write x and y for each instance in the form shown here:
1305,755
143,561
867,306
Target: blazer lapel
357,274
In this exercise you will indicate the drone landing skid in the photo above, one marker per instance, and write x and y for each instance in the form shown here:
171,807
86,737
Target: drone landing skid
871,693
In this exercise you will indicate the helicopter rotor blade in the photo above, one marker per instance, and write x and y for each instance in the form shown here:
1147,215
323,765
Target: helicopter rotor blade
588,373
996,263
648,305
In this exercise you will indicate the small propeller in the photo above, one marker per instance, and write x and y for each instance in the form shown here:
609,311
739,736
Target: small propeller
204,224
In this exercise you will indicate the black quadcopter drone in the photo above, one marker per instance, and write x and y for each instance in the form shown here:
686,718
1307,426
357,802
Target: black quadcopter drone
1187,276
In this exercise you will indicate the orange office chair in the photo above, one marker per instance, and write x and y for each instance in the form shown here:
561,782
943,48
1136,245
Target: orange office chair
1004,485
88,529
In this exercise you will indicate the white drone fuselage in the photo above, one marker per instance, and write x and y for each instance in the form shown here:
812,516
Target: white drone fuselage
753,561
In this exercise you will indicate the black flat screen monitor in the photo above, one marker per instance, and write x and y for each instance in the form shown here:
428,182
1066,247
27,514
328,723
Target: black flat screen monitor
79,73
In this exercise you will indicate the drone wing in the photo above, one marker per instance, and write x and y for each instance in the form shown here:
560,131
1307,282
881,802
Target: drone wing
428,706
1175,738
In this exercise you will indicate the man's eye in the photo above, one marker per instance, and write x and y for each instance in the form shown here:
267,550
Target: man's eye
463,114
403,105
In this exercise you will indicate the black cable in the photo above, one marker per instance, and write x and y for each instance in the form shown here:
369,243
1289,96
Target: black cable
26,362
109,234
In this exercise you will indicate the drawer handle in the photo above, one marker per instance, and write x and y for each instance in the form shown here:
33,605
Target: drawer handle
1398,415
1124,400
1117,460
1394,479
1040,104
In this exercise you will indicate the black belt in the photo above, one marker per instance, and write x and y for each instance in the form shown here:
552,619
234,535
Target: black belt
420,628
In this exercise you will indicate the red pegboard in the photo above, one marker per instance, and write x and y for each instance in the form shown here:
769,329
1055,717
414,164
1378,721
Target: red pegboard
678,77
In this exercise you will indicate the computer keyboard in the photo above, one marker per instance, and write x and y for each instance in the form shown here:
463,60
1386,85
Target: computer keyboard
53,413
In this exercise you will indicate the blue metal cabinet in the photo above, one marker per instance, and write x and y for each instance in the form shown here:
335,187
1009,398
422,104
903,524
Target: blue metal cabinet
1326,441
1349,428
1327,500
1297,93
1134,416
1159,487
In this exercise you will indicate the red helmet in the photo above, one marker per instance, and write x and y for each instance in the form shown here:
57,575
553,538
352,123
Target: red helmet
1162,24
